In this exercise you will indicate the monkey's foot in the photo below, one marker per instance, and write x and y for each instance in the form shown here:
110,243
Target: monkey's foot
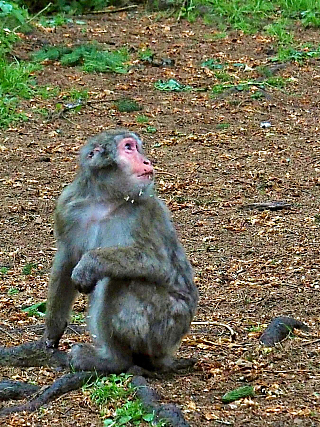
139,371
83,357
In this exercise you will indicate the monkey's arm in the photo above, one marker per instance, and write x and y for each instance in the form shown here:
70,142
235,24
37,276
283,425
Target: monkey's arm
121,263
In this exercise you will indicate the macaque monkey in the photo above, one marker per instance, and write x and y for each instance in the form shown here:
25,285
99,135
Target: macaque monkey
117,243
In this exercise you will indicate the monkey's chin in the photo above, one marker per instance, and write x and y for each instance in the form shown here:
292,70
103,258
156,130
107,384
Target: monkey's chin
144,189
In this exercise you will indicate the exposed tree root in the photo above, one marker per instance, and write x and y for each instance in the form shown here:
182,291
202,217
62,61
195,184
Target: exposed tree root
33,354
15,390
279,329
65,384
150,400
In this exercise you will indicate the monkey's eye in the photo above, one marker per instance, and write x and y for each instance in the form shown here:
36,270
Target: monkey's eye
129,146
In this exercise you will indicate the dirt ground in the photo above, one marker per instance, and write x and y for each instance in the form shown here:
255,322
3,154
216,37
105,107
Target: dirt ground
212,158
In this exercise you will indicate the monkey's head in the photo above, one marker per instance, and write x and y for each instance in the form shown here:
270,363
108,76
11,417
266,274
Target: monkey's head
115,159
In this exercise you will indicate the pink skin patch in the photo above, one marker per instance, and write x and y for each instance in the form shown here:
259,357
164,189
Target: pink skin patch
132,160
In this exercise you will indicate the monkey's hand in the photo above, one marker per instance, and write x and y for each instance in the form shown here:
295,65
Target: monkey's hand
86,273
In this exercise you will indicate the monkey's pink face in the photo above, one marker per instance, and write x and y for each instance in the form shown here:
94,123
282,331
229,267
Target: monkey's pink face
132,161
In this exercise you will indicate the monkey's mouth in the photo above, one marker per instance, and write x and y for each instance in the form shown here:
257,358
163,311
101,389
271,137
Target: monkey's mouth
146,175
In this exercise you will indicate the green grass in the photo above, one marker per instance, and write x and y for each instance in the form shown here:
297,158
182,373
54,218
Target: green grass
223,126
299,55
244,86
15,78
78,318
58,20
146,55
13,291
142,119
13,16
16,82
110,389
90,57
27,269
127,105
279,30
117,392
251,16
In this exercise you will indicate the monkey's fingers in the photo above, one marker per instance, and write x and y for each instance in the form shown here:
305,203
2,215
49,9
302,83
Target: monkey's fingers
84,278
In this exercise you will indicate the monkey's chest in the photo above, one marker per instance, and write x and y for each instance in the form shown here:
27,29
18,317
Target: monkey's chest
102,233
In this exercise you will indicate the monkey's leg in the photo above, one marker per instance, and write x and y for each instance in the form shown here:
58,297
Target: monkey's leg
61,295
107,355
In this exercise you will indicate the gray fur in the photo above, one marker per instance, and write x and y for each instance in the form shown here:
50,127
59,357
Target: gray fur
117,242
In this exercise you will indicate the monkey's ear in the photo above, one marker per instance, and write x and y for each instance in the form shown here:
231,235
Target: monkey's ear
95,156
99,149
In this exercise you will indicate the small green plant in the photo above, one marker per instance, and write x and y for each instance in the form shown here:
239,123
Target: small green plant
257,95
146,55
212,64
118,391
223,77
171,85
58,20
187,10
279,30
223,125
78,318
127,105
107,61
278,82
77,95
255,328
38,309
12,15
110,389
131,413
317,219
292,54
27,269
13,291
91,57
220,88
4,270
47,92
238,393
142,119
151,129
